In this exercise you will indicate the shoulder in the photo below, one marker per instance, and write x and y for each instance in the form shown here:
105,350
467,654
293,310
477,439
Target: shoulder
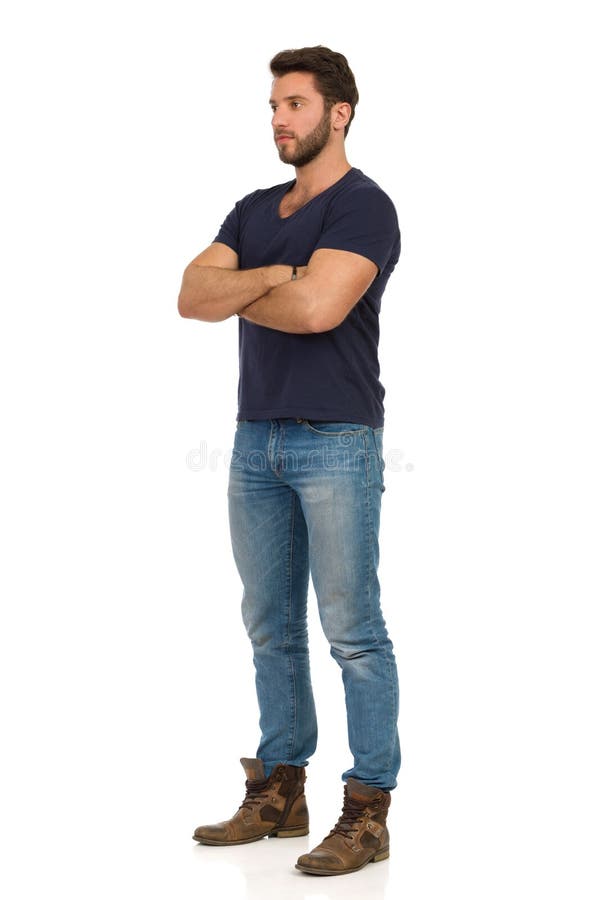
356,191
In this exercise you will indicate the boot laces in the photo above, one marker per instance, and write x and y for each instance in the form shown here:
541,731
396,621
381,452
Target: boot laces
256,791
352,812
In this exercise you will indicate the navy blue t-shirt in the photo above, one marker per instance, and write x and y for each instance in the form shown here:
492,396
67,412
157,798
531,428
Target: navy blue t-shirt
333,375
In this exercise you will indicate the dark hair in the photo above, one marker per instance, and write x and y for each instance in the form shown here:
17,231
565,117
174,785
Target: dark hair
333,76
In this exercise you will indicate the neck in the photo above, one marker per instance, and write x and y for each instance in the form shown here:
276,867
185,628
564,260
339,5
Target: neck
321,173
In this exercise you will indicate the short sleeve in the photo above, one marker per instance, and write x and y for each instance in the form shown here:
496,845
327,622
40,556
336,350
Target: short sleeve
363,221
229,232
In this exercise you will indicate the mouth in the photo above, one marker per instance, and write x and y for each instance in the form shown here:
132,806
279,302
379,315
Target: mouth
283,137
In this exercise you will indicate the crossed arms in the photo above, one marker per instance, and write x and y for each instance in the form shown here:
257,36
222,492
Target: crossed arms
215,288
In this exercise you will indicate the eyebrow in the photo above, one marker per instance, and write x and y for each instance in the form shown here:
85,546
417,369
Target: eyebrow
290,97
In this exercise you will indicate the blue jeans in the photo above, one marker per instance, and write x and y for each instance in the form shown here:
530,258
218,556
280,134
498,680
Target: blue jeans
305,496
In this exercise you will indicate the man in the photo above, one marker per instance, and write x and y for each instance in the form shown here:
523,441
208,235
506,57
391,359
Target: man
304,265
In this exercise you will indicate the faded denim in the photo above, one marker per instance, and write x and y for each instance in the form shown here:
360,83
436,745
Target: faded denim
305,497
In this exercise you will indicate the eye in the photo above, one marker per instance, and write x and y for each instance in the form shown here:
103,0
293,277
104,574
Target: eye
296,104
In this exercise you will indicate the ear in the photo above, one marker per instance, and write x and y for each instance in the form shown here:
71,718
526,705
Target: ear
340,116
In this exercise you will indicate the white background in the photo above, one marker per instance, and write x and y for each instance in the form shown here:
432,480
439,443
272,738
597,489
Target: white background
130,129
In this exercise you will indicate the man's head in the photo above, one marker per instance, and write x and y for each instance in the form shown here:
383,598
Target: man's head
314,96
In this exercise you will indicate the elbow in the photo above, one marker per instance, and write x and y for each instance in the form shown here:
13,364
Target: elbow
191,306
185,301
190,303
183,305
322,315
319,321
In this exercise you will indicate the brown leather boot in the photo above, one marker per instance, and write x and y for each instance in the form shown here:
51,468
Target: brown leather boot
359,837
273,806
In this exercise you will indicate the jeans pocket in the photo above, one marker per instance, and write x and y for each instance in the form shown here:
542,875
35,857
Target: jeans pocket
333,429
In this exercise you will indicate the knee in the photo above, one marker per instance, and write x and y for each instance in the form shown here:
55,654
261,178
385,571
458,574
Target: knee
271,632
344,652
361,653
256,622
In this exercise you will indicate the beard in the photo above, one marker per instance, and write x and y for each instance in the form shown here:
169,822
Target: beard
309,147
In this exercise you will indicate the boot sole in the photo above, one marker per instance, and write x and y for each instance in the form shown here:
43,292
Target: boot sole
276,832
380,855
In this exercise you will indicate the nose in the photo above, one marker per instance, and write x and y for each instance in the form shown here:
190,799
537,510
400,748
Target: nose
279,119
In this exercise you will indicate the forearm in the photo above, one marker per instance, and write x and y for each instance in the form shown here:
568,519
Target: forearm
289,307
211,294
